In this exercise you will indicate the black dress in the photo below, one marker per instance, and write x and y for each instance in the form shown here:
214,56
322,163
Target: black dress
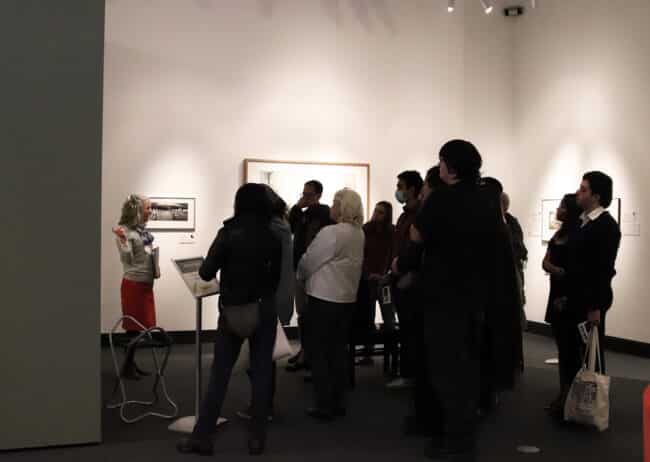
558,250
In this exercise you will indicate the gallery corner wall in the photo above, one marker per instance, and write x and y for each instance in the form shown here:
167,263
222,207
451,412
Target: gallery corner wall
582,102
194,88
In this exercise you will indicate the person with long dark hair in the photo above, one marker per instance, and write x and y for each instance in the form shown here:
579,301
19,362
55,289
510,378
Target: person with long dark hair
248,255
376,262
555,264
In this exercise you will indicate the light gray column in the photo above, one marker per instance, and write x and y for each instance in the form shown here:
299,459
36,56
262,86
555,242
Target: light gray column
50,188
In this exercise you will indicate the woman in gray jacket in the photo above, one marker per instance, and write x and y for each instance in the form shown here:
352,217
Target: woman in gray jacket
286,288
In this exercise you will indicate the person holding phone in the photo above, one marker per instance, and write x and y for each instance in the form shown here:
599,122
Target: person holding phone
135,246
306,219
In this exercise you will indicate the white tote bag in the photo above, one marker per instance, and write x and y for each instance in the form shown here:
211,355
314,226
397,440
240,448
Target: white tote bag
282,348
588,400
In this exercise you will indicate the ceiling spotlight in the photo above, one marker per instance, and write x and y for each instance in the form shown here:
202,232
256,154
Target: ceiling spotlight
451,4
486,6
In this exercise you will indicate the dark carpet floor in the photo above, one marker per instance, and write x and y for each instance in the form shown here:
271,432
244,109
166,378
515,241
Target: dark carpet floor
372,429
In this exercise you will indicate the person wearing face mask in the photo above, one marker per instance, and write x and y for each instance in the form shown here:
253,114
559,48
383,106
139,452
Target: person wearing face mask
409,185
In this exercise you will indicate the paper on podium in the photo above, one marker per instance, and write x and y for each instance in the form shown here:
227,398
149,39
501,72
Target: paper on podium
189,270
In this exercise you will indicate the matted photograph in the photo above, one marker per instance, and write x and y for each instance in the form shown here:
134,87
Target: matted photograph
550,223
288,178
172,214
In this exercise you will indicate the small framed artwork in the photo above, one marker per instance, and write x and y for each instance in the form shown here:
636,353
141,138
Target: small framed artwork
550,223
172,214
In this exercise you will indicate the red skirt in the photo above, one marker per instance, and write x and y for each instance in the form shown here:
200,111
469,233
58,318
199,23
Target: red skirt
137,302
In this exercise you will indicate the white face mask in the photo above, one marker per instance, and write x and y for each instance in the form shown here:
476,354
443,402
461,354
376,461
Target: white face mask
400,196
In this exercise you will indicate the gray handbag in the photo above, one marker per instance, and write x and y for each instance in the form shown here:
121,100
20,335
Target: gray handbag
242,320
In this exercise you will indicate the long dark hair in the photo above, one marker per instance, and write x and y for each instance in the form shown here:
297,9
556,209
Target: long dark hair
571,221
389,213
253,198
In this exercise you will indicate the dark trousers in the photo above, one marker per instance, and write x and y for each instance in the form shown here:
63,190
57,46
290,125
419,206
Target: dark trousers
406,304
274,372
328,339
302,309
453,343
226,350
425,407
571,349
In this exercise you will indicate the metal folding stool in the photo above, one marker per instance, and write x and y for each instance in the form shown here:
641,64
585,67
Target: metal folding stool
143,339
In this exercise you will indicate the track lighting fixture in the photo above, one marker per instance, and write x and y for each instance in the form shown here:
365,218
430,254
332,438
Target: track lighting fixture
486,6
451,4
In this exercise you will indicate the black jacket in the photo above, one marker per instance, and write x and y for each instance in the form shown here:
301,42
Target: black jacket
249,257
592,256
459,226
305,225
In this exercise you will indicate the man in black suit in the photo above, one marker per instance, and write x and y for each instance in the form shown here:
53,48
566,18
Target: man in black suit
592,256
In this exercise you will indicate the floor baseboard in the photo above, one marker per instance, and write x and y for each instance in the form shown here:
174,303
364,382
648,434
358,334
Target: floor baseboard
617,344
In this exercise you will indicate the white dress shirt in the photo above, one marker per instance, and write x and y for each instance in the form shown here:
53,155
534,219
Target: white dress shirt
591,216
331,266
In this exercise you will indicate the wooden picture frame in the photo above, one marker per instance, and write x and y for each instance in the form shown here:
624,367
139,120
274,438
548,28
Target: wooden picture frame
287,178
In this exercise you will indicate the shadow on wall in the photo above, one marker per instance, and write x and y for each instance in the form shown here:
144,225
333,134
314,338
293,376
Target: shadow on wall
363,11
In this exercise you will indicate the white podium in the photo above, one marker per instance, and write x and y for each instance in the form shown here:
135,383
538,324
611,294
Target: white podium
189,271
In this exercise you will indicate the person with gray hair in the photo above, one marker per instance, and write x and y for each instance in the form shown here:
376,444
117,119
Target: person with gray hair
135,246
331,268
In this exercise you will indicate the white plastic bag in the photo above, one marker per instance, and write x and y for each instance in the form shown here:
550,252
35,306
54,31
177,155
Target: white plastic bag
588,400
282,348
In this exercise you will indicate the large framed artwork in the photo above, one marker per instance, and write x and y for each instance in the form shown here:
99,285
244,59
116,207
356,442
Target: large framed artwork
288,178
172,214
550,223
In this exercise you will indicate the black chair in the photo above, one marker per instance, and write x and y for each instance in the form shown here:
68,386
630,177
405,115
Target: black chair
385,343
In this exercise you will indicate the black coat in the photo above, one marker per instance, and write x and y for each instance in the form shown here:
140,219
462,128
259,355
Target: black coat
249,257
592,256
469,265
305,225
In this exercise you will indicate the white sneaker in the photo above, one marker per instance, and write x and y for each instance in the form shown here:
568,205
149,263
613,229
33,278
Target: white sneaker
400,383
246,414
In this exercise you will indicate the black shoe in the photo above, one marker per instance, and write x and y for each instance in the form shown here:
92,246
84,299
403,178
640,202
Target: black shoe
339,412
366,361
295,367
193,445
141,371
255,446
447,455
413,427
319,414
129,372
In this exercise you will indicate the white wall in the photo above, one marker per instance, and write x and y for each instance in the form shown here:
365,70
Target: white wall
582,102
193,88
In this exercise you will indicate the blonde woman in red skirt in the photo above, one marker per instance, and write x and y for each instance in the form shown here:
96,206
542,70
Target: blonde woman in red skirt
135,246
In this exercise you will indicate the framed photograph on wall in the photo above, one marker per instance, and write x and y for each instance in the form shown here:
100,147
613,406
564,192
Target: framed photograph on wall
550,223
172,214
287,178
